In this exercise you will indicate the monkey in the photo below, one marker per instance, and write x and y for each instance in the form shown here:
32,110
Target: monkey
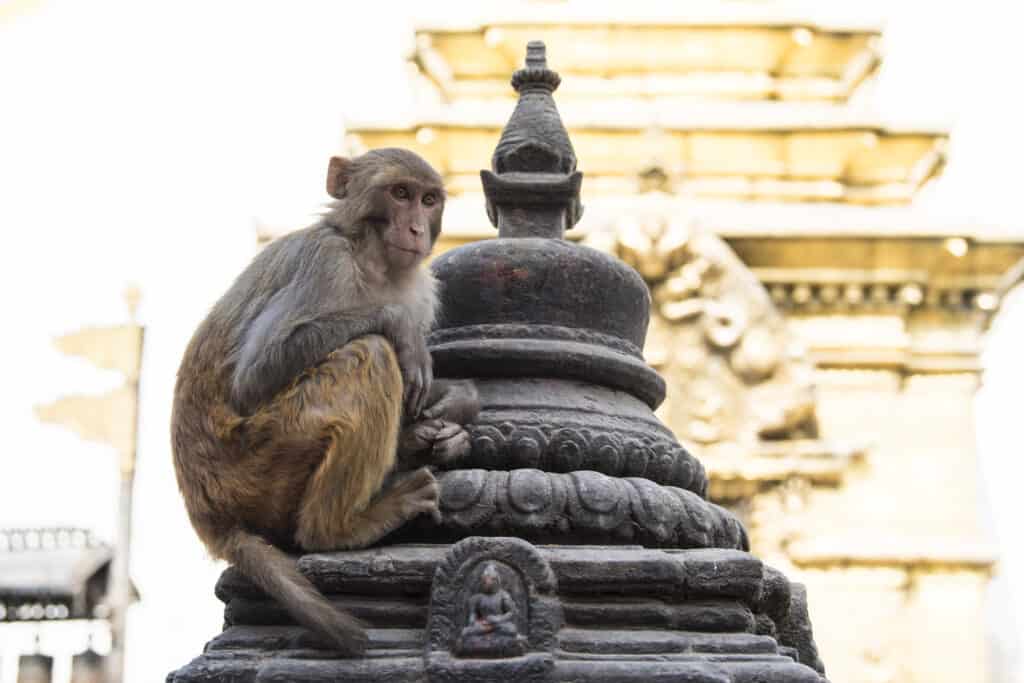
305,414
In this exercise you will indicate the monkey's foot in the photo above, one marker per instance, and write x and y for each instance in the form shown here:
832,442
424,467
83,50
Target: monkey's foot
418,492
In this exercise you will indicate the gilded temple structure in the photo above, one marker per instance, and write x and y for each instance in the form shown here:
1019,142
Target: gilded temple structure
819,334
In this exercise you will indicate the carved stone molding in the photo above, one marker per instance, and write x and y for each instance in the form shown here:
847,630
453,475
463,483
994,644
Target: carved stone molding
617,450
588,506
534,331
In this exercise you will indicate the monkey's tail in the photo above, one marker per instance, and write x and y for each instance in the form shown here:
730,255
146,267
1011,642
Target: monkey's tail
276,573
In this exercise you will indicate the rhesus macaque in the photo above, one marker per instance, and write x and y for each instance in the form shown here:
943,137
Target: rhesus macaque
307,392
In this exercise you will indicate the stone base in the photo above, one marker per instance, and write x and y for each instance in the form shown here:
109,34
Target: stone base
617,613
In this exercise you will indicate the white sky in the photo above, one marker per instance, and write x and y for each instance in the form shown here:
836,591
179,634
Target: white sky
140,141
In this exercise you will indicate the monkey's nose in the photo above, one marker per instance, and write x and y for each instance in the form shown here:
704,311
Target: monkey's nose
417,229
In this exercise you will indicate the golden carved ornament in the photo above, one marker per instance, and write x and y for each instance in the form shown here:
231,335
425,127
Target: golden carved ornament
735,373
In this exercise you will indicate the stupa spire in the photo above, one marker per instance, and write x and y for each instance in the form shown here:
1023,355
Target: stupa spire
534,188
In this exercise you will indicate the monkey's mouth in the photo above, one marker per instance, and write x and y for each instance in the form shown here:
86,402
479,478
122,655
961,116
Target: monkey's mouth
411,251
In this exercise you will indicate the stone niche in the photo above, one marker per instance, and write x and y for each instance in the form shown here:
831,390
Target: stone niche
576,540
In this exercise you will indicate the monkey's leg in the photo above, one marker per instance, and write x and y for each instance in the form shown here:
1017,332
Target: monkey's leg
357,394
407,495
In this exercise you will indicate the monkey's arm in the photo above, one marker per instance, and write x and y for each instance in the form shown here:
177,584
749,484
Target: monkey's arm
279,346
453,400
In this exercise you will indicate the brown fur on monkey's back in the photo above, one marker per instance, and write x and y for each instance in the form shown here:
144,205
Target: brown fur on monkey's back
252,472
226,484
212,468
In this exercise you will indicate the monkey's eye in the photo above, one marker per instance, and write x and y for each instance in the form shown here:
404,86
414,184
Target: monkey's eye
400,192
429,199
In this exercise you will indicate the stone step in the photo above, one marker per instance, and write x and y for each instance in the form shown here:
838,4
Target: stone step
379,612
697,670
575,641
243,667
297,641
408,570
708,616
714,616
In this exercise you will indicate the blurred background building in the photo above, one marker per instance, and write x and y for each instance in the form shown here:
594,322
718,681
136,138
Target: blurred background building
820,196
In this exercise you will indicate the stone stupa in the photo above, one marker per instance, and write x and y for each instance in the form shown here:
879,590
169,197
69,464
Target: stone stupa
577,543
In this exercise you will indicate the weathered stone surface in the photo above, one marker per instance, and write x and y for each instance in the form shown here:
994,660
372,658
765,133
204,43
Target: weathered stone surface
534,667
711,616
618,604
775,597
668,671
795,629
233,668
545,507
610,569
383,613
299,640
661,642
565,426
398,670
722,573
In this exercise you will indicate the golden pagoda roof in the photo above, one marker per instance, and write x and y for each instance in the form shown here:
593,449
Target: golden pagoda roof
741,50
465,218
722,150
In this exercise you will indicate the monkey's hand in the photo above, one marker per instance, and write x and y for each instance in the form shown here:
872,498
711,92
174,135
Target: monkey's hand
453,401
433,441
413,359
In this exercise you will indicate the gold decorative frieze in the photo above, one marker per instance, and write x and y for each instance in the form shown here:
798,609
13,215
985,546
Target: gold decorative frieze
725,50
781,152
949,554
825,289
737,474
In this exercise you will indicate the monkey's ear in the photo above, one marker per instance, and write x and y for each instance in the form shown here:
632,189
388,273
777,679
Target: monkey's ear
339,171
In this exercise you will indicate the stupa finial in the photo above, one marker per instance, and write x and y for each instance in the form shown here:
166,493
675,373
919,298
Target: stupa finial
533,190
536,72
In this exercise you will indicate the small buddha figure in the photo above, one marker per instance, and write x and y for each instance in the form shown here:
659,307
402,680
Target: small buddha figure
492,629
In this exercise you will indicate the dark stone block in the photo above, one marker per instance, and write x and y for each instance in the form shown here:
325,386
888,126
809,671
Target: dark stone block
602,671
711,616
655,642
611,570
398,670
381,613
757,672
231,669
795,629
530,668
775,596
374,571
722,573
296,639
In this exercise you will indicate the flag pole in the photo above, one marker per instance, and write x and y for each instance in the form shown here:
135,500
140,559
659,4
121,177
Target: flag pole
120,586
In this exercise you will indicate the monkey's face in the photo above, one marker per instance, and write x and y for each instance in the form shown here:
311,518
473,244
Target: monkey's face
393,196
413,220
